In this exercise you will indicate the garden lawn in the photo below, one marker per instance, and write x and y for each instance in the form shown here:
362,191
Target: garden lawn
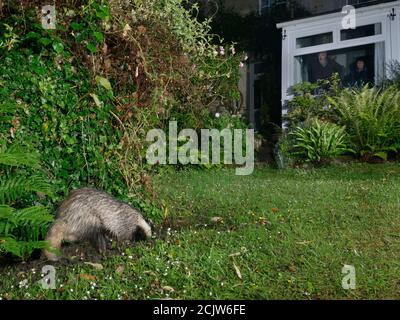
272,235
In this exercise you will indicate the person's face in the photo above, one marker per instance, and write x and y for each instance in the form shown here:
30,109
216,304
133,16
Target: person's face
322,56
360,65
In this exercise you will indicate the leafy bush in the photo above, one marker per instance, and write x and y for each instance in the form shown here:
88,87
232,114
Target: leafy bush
55,113
283,151
85,95
310,100
22,230
393,75
370,115
372,119
211,121
320,141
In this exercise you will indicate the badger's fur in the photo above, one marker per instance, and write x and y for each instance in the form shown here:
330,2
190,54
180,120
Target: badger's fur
89,214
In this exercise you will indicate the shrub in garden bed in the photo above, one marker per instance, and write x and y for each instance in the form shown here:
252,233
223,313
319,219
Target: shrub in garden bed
372,119
319,142
367,122
86,94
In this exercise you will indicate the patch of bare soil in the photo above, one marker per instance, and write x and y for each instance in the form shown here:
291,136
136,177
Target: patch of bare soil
79,253
76,253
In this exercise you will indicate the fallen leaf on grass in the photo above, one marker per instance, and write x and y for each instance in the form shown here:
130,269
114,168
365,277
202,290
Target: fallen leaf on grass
237,270
97,266
120,269
263,221
141,29
168,288
7,296
87,277
292,268
217,220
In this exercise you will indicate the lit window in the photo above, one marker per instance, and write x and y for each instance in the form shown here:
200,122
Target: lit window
355,66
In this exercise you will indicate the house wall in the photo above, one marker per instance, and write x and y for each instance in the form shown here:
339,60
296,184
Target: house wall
323,6
242,6
313,6
320,6
245,7
386,42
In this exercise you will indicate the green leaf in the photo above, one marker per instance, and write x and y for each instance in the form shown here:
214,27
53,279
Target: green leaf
103,13
98,36
96,100
32,35
383,155
45,41
91,47
76,26
5,211
104,82
58,47
16,186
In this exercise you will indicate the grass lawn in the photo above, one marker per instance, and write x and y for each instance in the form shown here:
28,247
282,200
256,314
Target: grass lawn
271,235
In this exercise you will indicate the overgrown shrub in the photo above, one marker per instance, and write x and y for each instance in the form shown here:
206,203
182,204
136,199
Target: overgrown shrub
310,100
85,95
370,116
372,119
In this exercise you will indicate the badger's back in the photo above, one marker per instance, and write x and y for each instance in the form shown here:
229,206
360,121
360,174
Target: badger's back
90,214
92,207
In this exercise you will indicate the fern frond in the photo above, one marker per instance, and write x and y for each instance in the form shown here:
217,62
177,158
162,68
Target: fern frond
29,224
17,156
32,216
12,188
5,212
21,249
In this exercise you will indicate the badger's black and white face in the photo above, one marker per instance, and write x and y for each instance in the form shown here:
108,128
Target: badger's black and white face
140,234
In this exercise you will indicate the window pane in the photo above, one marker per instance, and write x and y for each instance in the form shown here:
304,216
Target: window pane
361,32
314,40
356,66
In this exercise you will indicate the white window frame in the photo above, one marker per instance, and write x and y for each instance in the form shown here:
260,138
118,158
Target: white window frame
332,23
271,3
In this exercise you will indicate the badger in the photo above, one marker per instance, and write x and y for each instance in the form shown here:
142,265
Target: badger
90,214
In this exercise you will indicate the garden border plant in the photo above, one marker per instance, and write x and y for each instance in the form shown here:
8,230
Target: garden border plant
370,118
86,94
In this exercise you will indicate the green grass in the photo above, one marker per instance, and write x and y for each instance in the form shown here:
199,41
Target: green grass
288,233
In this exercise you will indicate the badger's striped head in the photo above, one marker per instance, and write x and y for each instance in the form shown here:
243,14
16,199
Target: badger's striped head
143,231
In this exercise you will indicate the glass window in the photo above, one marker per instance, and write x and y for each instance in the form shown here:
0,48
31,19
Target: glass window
361,32
356,66
314,40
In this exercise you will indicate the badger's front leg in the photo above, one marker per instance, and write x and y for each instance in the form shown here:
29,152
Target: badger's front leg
99,241
55,237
